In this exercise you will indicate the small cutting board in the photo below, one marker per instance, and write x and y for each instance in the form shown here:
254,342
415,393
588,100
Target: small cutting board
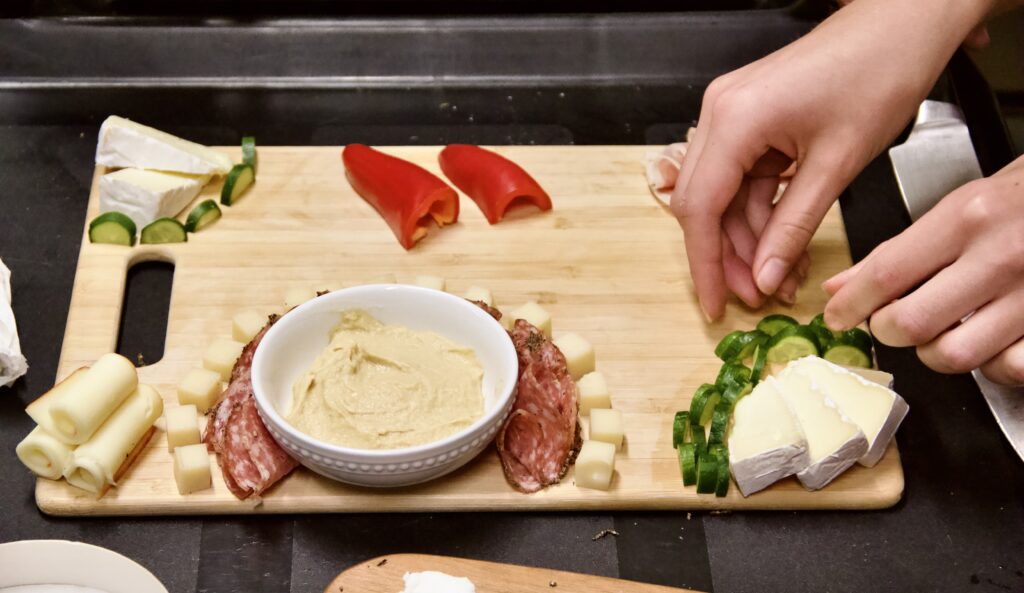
608,262
384,575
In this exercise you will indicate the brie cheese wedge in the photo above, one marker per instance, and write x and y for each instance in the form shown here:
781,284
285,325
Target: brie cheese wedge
876,409
834,442
145,196
124,143
765,443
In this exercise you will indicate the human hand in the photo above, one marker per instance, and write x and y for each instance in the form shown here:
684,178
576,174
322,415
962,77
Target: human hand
828,102
969,253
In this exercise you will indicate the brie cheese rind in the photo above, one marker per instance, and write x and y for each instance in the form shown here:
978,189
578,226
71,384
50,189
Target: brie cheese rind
833,440
12,361
95,463
876,409
145,196
124,143
766,443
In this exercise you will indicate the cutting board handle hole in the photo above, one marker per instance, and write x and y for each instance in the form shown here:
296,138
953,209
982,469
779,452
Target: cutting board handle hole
144,310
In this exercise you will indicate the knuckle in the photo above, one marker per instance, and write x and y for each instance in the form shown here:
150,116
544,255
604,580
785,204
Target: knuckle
979,208
884,274
912,325
954,356
734,104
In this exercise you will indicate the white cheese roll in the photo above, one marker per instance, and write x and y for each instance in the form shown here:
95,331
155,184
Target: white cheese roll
94,464
43,454
79,411
39,410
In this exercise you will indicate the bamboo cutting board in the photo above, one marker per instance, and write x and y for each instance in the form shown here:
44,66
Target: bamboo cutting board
384,575
607,262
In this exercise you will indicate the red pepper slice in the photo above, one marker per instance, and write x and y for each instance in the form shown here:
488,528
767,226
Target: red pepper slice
407,196
491,180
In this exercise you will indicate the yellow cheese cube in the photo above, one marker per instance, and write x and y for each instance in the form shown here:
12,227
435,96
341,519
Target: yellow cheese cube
297,295
606,426
201,388
579,354
246,324
479,293
534,314
192,468
593,392
221,356
595,465
182,426
434,282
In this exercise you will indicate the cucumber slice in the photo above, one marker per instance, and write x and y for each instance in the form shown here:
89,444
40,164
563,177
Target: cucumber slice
688,463
202,216
735,392
680,430
238,180
707,473
719,422
113,228
738,346
722,480
760,357
824,336
773,324
249,155
732,373
163,230
791,343
852,348
703,404
700,438
819,321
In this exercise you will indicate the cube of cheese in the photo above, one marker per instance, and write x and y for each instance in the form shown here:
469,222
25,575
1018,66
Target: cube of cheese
479,293
534,314
297,295
595,465
593,391
606,426
433,282
246,324
221,355
579,354
201,388
192,468
145,196
182,426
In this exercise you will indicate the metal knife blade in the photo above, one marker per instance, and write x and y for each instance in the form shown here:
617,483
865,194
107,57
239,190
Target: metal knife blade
937,158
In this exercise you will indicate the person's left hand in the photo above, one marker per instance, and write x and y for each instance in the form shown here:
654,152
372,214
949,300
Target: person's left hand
967,255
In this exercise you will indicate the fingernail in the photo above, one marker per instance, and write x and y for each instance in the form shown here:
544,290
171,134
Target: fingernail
704,310
831,323
771,275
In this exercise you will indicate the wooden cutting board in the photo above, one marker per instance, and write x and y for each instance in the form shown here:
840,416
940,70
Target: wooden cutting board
607,262
384,575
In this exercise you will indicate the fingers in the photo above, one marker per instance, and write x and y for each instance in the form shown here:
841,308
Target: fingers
894,267
978,38
758,209
1008,367
939,304
793,222
738,278
982,337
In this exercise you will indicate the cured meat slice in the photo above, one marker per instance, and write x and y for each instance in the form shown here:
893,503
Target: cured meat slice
541,437
496,314
249,457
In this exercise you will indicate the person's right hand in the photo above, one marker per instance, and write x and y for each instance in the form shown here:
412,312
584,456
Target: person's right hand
829,102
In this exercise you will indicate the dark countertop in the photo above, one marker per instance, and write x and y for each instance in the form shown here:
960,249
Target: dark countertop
958,527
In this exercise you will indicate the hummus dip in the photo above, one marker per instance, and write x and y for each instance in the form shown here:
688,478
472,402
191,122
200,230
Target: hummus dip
378,386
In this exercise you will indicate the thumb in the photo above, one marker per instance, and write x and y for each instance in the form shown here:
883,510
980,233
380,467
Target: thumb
794,220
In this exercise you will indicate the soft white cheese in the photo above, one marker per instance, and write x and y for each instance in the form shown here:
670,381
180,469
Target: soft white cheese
124,143
877,410
765,443
145,196
834,442
432,581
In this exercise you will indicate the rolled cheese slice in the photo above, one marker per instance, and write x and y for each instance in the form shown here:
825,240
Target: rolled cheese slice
39,410
79,411
43,454
94,465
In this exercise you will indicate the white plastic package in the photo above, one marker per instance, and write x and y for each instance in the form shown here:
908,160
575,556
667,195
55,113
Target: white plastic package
12,363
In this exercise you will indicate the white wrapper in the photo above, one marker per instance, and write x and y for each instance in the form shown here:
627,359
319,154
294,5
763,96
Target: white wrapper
12,363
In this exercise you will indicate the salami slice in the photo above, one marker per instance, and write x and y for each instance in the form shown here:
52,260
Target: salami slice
541,437
249,457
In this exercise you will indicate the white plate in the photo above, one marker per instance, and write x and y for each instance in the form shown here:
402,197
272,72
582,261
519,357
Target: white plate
60,562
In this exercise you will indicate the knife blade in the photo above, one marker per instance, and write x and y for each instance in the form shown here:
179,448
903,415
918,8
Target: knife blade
937,158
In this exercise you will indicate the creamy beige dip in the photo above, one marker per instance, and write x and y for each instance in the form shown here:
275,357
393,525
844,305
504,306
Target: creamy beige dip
380,386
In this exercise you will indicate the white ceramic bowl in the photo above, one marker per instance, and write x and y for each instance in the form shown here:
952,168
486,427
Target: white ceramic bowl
291,345
58,562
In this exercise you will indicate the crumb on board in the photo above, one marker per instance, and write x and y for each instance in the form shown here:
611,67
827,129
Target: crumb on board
382,562
604,533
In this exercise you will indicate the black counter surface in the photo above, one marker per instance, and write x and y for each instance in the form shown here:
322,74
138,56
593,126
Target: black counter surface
959,527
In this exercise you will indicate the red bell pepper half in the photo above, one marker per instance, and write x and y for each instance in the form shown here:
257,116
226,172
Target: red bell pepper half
491,180
407,196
